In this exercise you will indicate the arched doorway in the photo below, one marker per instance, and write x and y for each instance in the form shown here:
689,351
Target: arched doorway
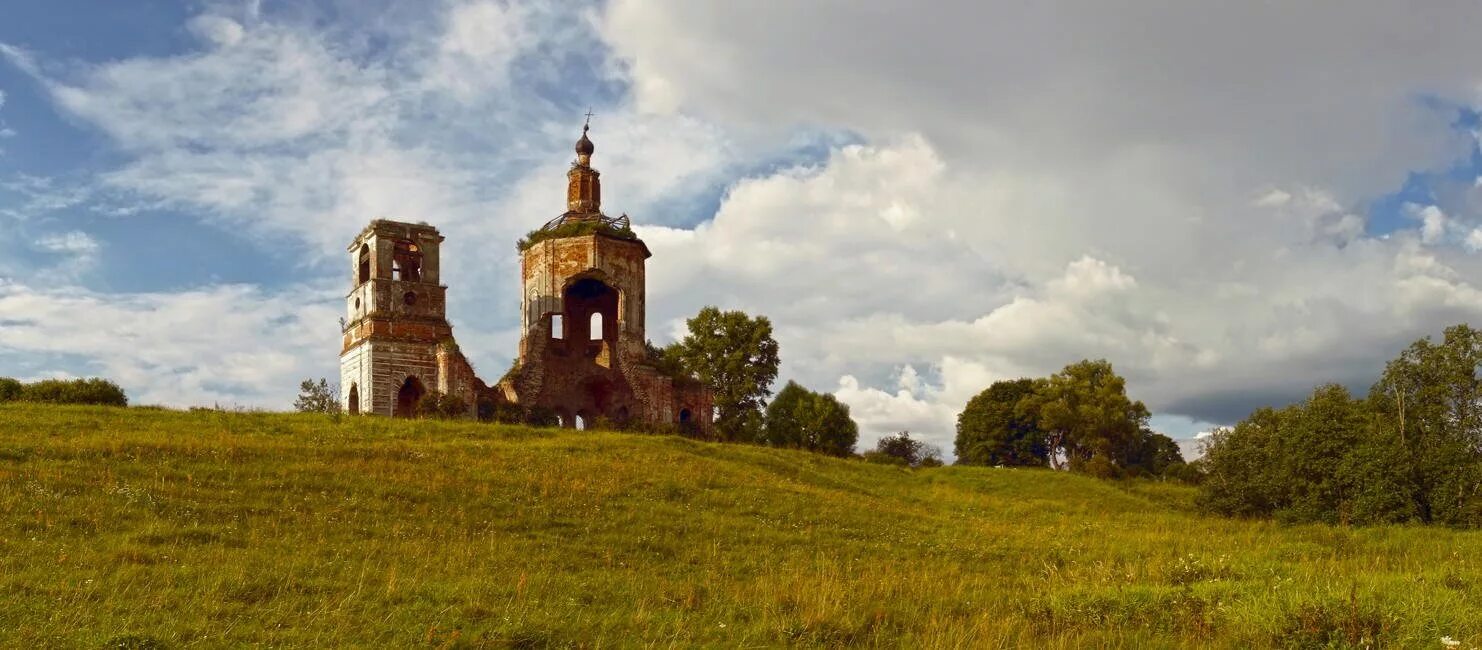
407,397
353,401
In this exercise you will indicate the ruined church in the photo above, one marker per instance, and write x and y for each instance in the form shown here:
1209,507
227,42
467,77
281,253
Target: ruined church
583,353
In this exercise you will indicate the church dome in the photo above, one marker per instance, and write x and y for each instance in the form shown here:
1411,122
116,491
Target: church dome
584,146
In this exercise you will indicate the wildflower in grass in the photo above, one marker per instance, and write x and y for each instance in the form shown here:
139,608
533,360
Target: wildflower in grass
1450,642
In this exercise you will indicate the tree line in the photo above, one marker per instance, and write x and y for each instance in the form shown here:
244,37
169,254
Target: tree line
1408,451
1079,419
63,391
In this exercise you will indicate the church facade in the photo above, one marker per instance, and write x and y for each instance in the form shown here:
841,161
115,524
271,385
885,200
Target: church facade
583,355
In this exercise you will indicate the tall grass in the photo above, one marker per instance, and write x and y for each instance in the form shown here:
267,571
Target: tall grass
148,528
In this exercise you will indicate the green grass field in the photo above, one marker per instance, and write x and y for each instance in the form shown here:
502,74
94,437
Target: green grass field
147,528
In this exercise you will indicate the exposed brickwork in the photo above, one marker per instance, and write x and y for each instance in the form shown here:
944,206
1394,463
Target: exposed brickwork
397,340
396,330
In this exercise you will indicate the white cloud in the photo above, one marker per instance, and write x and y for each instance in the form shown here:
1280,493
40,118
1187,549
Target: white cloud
73,242
1174,189
216,30
479,41
229,344
1433,222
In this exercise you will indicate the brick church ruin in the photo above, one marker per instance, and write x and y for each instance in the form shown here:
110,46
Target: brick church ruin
583,352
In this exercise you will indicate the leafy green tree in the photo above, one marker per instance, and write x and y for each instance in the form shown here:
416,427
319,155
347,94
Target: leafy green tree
1316,436
993,430
316,397
736,356
783,425
901,449
1156,455
10,389
1239,478
1430,400
1090,424
802,419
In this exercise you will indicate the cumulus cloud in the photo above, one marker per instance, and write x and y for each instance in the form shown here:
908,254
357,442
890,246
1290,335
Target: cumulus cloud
1178,189
232,344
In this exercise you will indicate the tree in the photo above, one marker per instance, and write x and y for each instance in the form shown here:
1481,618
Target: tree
736,357
783,425
10,389
1089,422
993,430
802,419
1239,478
317,397
1156,455
900,449
1429,401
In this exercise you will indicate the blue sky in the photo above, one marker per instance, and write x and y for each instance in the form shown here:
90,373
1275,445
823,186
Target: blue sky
920,209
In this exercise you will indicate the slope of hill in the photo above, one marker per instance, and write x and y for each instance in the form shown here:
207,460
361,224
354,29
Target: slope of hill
167,529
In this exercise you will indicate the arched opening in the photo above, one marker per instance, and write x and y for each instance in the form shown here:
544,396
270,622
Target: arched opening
593,307
353,400
406,262
580,422
558,327
560,421
363,265
684,416
407,397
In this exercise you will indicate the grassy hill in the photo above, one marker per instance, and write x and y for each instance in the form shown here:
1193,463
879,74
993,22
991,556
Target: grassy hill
169,529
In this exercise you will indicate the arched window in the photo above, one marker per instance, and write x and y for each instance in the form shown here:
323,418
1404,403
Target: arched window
364,264
557,328
596,326
581,423
353,401
406,262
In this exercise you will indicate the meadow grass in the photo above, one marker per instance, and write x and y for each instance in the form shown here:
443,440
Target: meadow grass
149,528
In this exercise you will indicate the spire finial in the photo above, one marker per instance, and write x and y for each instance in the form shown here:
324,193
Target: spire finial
584,146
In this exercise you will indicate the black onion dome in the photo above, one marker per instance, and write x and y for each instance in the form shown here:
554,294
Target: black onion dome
584,146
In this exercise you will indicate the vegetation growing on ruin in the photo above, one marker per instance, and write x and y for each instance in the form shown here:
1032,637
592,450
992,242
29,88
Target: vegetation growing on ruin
150,528
573,229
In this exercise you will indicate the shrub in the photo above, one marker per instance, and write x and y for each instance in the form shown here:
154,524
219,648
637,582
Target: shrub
441,406
75,391
574,229
317,397
537,416
882,458
912,453
501,411
10,389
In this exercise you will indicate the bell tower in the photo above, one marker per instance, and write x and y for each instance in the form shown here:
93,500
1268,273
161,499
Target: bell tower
395,320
